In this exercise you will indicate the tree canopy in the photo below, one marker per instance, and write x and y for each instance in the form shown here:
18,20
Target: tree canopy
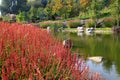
49,9
13,6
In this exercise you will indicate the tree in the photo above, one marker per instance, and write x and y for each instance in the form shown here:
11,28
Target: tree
63,8
38,3
57,5
32,13
44,2
48,8
5,6
84,4
13,6
75,8
115,11
41,14
95,7
106,2
66,9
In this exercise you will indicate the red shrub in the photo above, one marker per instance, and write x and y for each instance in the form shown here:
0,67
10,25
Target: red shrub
31,53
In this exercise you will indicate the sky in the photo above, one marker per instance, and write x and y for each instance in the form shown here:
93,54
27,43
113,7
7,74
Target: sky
0,1
0,4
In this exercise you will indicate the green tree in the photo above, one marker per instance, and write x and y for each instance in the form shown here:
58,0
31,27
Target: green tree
84,4
5,6
37,14
84,7
95,7
66,9
115,10
32,13
106,2
38,3
75,8
14,6
48,8
41,14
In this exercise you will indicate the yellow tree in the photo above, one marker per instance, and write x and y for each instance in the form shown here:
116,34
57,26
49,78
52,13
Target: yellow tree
57,5
84,6
53,7
84,3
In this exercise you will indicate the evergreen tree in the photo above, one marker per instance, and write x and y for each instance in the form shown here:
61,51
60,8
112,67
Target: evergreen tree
5,6
38,3
44,2
14,6
48,8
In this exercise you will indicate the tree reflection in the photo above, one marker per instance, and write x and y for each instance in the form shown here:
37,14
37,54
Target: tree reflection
105,45
107,64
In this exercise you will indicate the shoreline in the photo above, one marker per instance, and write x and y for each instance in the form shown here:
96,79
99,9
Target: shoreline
104,31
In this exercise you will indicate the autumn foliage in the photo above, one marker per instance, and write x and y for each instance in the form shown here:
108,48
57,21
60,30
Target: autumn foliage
30,53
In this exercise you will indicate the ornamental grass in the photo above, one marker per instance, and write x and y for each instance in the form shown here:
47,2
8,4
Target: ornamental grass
30,53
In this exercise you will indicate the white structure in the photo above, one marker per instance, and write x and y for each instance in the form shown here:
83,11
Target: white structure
96,59
80,29
90,30
80,34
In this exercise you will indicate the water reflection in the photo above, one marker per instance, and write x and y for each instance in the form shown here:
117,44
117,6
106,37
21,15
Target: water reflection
105,45
80,34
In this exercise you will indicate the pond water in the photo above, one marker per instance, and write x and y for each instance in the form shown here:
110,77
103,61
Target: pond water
105,45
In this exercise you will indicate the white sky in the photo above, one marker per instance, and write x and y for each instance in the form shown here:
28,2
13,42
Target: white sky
0,4
0,1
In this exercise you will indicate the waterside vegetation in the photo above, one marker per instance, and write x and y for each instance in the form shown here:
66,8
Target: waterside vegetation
28,52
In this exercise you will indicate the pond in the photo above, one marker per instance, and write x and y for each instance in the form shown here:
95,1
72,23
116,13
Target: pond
105,45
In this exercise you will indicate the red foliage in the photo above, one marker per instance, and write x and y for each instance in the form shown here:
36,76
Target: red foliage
30,53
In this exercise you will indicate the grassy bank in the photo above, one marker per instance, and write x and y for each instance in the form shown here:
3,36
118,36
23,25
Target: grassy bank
97,30
102,24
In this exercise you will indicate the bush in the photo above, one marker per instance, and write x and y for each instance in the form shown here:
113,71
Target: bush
109,22
74,23
21,17
90,23
9,17
56,25
69,23
30,53
6,18
44,25
51,24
